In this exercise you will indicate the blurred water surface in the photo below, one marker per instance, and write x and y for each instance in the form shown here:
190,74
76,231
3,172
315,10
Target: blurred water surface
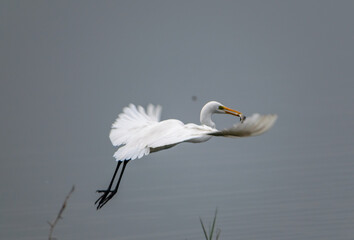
305,193
68,69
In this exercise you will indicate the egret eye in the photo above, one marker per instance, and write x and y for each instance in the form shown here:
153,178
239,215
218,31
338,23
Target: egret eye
221,107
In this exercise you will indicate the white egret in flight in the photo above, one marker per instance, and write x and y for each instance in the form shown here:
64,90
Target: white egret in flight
138,132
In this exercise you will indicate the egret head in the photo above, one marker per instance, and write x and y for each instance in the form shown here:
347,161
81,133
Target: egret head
216,107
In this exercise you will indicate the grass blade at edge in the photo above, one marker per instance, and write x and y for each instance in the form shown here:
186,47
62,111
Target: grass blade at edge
218,231
213,226
205,233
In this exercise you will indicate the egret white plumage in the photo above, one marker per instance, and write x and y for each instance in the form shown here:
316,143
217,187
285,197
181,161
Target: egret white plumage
138,132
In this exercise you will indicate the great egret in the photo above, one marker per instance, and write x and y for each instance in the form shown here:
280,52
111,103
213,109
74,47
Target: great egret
138,133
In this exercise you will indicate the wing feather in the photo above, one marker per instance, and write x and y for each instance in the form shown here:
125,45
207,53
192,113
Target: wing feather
252,126
130,124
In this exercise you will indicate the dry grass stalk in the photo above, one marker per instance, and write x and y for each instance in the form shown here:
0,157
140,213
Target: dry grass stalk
52,225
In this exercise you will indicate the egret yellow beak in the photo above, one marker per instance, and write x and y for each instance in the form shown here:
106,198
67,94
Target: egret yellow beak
235,113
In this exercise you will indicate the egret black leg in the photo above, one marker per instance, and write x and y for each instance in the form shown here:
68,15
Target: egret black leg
121,175
112,193
108,194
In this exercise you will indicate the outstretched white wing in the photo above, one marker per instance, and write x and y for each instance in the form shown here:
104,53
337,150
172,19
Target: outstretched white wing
129,126
252,126
137,133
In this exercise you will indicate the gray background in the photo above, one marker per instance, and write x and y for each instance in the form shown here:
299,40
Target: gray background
69,67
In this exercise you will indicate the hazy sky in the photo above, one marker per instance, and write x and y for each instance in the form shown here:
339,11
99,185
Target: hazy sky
69,67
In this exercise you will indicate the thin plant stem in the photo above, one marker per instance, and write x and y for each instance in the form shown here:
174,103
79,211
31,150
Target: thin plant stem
52,225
